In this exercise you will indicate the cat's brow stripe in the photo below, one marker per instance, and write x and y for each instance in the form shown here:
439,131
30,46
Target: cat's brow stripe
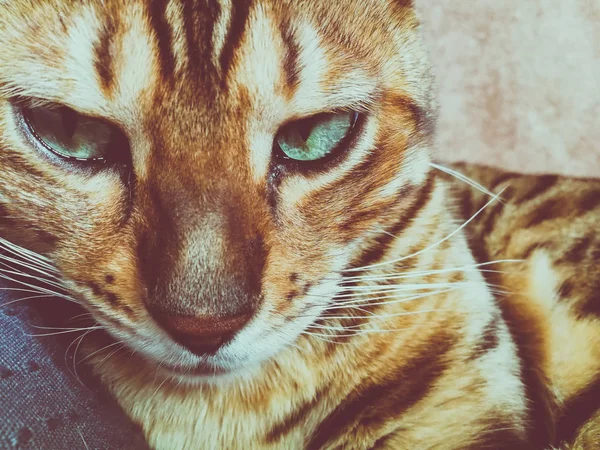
163,36
291,57
199,28
104,61
240,13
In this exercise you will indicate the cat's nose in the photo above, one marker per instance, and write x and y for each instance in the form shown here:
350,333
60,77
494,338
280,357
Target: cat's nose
204,335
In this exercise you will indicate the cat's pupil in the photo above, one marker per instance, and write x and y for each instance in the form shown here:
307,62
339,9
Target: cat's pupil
305,128
69,122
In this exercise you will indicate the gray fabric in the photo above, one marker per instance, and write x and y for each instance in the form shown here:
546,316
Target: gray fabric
43,406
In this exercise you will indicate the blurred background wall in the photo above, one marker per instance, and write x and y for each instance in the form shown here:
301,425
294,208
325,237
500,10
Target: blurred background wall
519,82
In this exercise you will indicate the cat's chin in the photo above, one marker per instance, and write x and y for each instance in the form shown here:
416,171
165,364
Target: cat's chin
206,373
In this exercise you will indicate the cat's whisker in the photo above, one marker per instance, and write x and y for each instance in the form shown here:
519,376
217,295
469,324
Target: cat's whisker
352,332
158,388
358,291
11,262
63,328
27,254
28,275
397,291
111,354
430,247
461,177
291,342
75,355
385,316
91,355
24,299
421,273
75,330
328,338
393,300
77,340
40,289
83,439
11,289
74,318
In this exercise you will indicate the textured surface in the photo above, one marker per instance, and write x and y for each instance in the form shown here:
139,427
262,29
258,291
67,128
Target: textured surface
519,82
43,407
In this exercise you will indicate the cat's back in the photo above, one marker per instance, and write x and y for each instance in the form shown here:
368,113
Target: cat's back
548,228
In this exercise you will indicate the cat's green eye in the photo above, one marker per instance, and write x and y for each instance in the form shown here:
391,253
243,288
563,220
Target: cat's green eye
316,137
68,133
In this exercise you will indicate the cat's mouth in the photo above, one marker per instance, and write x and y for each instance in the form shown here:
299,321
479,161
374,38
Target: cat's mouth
203,369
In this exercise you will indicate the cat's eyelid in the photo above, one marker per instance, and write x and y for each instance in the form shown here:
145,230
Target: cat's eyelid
34,102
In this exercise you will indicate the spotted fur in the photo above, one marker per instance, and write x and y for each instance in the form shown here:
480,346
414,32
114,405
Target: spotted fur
373,323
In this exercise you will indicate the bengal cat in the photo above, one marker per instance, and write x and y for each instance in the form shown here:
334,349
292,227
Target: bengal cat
240,193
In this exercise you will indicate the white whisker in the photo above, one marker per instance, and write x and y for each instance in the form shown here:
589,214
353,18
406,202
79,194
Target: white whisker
75,330
28,254
25,264
383,316
453,233
461,177
395,300
27,275
421,273
25,299
40,289
100,350
82,438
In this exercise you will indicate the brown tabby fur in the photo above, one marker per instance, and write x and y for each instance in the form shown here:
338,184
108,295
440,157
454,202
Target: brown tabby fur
202,220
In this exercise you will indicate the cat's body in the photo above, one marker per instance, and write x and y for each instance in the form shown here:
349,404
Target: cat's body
287,282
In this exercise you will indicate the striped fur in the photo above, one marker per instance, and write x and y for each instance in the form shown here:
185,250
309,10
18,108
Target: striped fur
372,325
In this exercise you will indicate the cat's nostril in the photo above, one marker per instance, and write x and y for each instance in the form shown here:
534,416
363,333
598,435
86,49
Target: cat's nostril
204,335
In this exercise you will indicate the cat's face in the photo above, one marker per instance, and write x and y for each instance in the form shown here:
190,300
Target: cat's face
202,175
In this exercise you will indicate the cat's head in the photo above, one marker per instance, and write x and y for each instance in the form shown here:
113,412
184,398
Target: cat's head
202,173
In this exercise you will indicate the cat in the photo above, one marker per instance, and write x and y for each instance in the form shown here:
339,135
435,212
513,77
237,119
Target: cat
241,193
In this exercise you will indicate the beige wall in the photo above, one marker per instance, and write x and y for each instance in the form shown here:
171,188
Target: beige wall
519,82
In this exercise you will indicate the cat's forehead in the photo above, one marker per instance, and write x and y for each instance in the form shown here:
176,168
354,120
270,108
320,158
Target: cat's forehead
103,58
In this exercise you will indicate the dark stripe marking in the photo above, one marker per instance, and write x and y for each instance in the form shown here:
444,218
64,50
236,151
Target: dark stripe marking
590,201
577,252
424,121
240,11
372,405
103,61
294,419
291,57
530,351
543,184
578,411
377,251
592,302
539,398
560,208
489,339
500,436
550,209
199,25
164,37
491,214
541,245
507,176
